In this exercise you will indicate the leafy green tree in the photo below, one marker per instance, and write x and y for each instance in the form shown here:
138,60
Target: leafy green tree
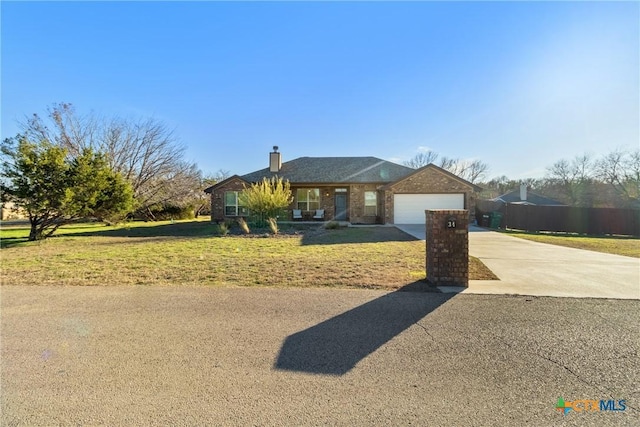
268,198
55,188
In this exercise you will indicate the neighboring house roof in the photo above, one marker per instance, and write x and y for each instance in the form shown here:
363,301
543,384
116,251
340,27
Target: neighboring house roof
334,170
532,199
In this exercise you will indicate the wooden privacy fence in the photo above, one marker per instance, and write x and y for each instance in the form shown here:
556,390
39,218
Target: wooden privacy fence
568,219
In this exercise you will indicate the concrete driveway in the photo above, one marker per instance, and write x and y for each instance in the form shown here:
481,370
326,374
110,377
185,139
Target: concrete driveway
531,268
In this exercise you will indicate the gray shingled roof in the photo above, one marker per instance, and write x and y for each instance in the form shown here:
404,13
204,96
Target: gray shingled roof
335,170
532,198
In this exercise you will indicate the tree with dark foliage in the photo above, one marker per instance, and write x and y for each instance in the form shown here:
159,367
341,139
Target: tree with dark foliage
55,188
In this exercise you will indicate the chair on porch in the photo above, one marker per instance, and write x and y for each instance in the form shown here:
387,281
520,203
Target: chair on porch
297,214
319,214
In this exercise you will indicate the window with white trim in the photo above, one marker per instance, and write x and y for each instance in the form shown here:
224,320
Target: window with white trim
370,203
232,204
308,199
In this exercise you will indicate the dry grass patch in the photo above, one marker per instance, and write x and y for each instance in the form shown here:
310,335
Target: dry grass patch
189,254
479,271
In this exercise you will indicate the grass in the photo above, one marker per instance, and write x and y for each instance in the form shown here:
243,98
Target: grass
189,253
626,246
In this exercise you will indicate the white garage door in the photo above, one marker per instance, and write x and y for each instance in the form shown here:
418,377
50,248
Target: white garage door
409,208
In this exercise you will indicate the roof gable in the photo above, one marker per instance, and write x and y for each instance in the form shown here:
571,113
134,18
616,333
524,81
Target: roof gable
327,170
435,169
223,182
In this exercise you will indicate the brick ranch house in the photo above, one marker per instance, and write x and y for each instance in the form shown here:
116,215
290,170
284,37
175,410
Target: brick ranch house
361,190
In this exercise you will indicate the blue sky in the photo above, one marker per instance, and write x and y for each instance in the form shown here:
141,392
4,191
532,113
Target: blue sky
516,85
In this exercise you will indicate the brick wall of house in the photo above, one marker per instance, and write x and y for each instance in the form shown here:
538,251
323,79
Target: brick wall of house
428,181
217,197
356,204
447,259
326,202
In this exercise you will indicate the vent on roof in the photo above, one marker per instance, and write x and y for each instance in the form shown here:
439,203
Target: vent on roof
275,160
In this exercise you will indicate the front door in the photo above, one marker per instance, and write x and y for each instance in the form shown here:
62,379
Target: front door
341,206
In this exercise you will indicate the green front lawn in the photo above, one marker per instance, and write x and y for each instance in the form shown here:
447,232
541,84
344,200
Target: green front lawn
626,246
190,253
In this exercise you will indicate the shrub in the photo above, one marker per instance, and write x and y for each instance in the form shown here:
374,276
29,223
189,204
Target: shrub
273,225
267,199
166,212
332,225
222,229
243,225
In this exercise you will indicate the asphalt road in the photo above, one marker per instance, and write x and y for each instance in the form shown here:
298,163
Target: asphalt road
240,356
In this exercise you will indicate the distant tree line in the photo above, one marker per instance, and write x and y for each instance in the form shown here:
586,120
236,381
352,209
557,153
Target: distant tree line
68,166
612,180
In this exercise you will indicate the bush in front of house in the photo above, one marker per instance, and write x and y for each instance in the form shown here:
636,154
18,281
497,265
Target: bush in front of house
243,225
332,225
222,229
273,225
267,199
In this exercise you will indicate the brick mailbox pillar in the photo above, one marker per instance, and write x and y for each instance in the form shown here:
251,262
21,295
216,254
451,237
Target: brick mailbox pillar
448,247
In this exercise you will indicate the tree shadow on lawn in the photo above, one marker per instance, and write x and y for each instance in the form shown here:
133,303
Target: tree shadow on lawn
344,235
178,229
315,235
9,242
336,345
134,230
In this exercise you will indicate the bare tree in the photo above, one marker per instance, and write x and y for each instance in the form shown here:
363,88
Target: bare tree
451,164
422,159
573,180
476,171
621,170
144,151
201,199
471,170
497,186
219,175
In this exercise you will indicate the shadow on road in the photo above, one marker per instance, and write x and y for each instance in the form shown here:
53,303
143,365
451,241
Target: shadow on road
336,345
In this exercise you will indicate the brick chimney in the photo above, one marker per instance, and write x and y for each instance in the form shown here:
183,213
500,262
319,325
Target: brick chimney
275,160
